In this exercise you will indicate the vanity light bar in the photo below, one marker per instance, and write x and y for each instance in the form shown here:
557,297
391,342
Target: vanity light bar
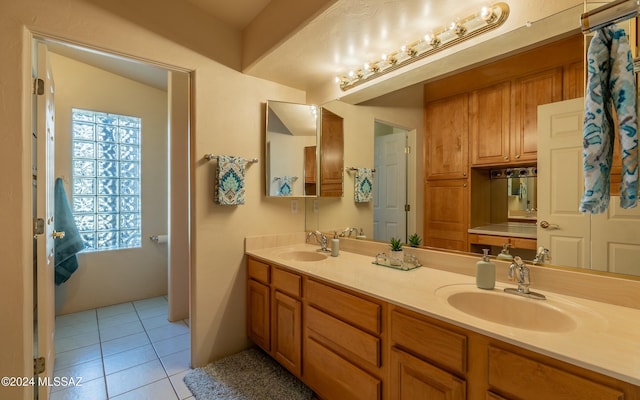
514,172
486,19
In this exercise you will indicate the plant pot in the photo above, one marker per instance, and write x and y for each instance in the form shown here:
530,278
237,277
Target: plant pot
396,257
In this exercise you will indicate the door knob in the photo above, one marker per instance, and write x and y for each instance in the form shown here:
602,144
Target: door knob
547,225
57,235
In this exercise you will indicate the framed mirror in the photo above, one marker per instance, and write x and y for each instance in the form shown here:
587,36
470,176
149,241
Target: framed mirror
291,148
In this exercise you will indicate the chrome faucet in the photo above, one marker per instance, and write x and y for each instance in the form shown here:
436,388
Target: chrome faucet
321,239
518,270
348,231
541,256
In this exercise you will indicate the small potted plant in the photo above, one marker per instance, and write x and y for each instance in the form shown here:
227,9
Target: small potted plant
397,254
415,240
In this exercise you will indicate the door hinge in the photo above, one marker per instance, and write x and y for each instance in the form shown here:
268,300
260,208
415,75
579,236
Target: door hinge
407,150
407,207
38,226
38,86
38,365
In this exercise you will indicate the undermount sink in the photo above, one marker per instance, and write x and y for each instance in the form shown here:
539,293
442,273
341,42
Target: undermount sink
507,309
302,255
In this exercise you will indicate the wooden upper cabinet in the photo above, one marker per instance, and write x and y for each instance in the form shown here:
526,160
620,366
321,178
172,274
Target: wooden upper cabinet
331,154
528,93
489,123
446,214
447,138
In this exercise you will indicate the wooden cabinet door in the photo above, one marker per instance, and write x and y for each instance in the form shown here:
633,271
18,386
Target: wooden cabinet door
446,213
489,124
530,92
415,379
258,316
447,138
287,332
331,154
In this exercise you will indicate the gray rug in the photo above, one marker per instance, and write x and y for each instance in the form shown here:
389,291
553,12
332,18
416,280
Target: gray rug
248,375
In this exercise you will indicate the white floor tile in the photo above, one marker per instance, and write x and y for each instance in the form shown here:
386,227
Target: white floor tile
124,343
117,331
180,387
115,309
173,344
165,332
75,318
118,319
132,378
86,371
155,322
77,356
149,312
176,362
94,390
128,359
76,341
160,390
63,331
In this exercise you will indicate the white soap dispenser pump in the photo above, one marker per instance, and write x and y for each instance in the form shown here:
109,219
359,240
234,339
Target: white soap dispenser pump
485,272
335,245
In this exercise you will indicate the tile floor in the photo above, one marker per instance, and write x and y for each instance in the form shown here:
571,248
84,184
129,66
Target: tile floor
125,351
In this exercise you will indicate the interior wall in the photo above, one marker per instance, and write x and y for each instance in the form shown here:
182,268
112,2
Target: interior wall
136,273
228,118
402,109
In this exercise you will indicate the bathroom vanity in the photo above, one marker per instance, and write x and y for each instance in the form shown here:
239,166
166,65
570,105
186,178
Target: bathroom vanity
353,330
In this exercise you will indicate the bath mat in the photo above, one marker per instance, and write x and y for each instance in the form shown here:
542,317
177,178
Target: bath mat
248,375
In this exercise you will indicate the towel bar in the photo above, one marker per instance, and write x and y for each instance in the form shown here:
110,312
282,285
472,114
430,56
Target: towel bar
355,169
213,156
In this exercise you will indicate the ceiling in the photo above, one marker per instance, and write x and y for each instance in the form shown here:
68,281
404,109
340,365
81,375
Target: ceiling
344,34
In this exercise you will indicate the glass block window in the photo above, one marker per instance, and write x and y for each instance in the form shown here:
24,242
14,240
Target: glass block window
106,179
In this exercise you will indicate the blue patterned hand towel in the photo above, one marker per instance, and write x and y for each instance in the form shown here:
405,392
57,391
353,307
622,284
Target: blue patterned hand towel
285,185
363,190
229,190
611,81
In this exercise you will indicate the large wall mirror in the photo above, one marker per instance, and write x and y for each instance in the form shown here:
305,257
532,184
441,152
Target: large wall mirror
304,151
521,196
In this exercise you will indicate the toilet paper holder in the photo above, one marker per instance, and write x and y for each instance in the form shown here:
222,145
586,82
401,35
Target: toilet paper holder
159,238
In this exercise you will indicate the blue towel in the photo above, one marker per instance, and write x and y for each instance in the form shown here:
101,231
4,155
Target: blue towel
285,185
363,189
611,81
65,258
229,188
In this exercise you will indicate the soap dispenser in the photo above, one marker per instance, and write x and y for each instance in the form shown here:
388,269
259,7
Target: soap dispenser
335,245
485,272
504,254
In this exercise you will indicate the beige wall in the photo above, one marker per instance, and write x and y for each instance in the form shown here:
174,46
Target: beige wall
228,118
403,109
116,276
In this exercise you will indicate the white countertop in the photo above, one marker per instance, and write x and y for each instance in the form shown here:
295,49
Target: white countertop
606,338
512,229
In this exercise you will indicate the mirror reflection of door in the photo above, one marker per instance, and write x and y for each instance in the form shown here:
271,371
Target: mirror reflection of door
390,189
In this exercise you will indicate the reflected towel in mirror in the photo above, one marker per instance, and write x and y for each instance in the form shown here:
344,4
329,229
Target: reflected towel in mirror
284,185
229,186
363,190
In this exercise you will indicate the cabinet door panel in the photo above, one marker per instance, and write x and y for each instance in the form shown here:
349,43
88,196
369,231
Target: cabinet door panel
258,316
414,379
287,332
489,123
530,92
446,211
447,138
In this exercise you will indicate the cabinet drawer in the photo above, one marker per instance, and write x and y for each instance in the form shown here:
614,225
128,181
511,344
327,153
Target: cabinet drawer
258,270
343,338
287,282
518,376
333,377
350,308
443,347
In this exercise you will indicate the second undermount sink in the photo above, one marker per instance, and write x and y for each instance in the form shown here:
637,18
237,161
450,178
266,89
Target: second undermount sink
507,309
303,255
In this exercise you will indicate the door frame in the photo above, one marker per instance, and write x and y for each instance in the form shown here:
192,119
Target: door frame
180,169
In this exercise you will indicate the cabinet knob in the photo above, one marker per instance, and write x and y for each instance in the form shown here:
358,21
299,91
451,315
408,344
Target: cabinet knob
506,158
464,185
517,156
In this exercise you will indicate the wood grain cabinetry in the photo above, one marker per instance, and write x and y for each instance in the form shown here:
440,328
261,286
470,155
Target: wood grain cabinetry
446,213
351,346
332,154
500,241
490,124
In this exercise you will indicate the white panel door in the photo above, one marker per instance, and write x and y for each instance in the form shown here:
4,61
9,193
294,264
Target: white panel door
45,298
390,187
561,184
615,239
